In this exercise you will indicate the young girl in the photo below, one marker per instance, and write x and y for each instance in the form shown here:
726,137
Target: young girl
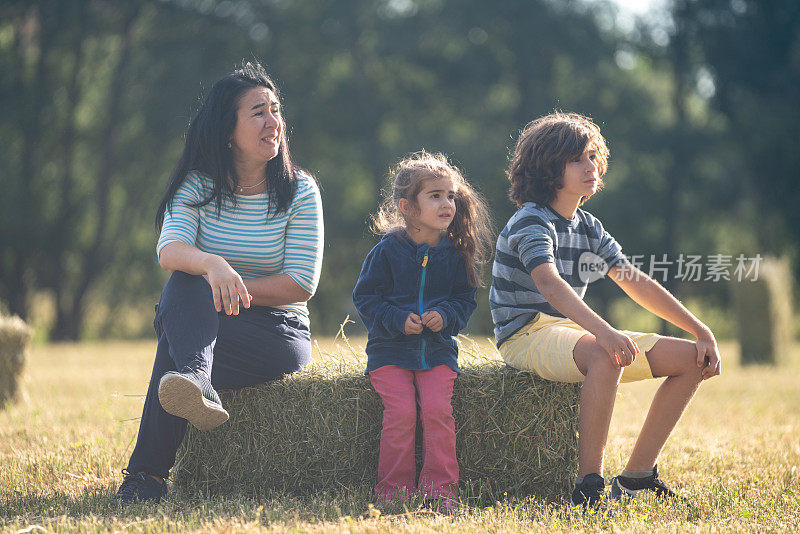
415,292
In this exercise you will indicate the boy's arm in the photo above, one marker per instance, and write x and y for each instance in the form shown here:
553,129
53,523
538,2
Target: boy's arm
650,295
619,347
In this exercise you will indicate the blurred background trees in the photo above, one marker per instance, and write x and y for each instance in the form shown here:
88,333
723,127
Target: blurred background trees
699,102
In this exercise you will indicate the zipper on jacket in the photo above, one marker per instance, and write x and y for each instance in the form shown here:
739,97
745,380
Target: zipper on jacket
421,310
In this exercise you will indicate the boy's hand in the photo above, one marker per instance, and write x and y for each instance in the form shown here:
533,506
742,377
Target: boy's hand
413,324
708,358
433,320
620,348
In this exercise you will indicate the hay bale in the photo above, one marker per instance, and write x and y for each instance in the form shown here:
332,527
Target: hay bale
15,336
764,312
320,429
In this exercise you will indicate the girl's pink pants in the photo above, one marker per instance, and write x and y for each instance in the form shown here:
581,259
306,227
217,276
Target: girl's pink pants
401,390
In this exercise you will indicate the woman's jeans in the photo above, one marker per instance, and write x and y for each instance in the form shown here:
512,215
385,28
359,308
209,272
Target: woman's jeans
236,351
401,390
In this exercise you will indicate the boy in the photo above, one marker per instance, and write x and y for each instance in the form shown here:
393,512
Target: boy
542,324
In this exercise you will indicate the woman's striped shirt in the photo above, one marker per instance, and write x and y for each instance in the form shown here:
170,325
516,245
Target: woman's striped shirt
254,241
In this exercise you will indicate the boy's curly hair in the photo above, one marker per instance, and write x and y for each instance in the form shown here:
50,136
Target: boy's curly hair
543,149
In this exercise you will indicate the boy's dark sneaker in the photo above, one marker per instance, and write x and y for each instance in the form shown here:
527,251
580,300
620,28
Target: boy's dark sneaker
589,492
631,487
139,487
189,394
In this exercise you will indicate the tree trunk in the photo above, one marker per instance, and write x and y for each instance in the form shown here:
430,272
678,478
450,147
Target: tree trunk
24,232
64,327
100,251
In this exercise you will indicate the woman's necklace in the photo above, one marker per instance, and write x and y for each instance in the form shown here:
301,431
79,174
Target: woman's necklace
242,188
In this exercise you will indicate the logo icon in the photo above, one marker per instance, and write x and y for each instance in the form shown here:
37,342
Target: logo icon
591,267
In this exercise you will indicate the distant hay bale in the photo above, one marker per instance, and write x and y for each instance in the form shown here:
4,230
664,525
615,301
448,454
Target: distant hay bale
320,430
14,338
764,312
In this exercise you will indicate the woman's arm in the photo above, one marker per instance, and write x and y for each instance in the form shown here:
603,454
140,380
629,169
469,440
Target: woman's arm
227,286
276,290
177,251
650,295
302,260
620,348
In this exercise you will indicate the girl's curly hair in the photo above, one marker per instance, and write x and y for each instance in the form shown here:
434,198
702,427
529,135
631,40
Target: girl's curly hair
543,149
471,229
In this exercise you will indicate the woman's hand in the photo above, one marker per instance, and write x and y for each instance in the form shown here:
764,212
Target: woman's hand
226,285
620,348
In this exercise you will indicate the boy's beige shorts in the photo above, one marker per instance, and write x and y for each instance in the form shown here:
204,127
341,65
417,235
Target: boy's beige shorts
544,346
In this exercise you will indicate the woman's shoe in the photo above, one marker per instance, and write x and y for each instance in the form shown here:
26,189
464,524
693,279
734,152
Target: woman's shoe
190,395
139,487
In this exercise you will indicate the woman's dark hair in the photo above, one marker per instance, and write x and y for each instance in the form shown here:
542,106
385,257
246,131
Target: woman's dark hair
206,146
543,149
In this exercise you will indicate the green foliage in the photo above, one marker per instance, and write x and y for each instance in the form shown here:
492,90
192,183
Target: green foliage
753,51
98,94
89,142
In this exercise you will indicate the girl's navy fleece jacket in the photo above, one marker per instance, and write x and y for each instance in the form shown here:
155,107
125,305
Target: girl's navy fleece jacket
400,277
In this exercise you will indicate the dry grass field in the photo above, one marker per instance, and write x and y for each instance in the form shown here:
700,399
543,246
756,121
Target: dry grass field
735,456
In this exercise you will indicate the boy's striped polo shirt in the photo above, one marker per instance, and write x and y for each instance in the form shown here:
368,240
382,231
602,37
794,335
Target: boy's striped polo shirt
537,234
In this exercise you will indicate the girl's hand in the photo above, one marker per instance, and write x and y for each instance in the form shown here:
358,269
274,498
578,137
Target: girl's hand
433,320
620,348
227,286
708,358
413,324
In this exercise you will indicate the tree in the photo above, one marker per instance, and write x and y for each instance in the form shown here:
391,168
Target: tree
752,49
86,146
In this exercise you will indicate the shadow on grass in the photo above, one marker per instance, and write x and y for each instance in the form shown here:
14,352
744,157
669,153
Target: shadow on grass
17,507
93,507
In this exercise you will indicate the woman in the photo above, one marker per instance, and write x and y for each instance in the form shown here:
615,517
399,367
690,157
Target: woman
241,233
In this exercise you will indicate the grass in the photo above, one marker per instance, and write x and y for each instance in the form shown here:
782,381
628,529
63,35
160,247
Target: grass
735,454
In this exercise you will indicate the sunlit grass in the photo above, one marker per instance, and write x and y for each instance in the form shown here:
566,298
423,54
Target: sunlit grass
735,455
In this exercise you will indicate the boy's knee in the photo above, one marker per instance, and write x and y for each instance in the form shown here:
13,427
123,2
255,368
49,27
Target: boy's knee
684,356
600,363
695,372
